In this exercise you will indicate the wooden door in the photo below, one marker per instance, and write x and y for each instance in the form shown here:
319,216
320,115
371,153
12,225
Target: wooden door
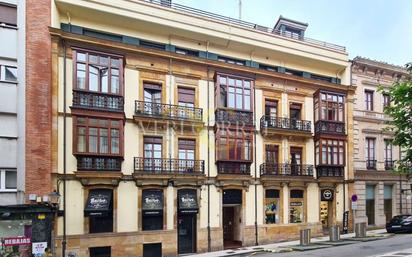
228,223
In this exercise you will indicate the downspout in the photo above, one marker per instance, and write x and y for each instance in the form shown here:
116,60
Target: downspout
209,239
255,166
64,150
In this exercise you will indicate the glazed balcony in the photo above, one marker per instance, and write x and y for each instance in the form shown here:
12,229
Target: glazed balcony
167,166
234,117
278,125
389,164
99,163
233,167
330,171
164,113
285,169
97,101
371,164
330,127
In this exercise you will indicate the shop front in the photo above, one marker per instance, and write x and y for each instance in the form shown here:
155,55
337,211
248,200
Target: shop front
187,220
327,207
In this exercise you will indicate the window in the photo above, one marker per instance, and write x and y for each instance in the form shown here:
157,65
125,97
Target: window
329,107
8,73
296,206
234,92
8,180
99,208
295,111
231,60
186,98
105,251
370,148
152,209
272,154
98,136
98,72
272,204
388,150
234,145
330,152
370,204
386,100
152,153
187,52
271,108
8,14
187,149
369,100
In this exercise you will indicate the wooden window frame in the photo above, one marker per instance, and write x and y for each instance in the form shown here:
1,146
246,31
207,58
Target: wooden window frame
275,149
233,134
87,125
386,100
388,149
152,140
87,63
218,86
325,142
318,106
370,141
369,99
181,146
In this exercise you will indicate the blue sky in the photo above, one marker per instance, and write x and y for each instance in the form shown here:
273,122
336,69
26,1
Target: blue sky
376,29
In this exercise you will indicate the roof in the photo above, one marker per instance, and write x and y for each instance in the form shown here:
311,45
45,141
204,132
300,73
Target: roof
291,23
379,64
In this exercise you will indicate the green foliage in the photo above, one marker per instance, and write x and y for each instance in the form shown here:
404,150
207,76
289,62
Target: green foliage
400,111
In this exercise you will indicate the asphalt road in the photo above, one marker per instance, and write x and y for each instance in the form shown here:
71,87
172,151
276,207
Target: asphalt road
373,248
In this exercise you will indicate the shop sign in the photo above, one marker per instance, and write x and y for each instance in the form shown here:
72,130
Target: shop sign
296,204
187,201
326,195
345,222
152,202
98,203
16,241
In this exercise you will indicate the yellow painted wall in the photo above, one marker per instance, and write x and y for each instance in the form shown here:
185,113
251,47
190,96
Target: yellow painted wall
313,200
127,198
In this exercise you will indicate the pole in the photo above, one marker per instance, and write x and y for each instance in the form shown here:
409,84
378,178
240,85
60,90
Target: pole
256,181
240,9
64,151
209,238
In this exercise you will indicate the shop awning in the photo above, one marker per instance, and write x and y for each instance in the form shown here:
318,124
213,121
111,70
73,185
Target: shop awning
152,202
98,203
187,201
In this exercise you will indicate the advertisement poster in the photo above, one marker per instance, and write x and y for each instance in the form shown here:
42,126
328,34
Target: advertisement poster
38,249
15,247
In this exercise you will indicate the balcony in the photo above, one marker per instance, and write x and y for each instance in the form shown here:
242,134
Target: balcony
236,167
389,164
330,171
330,127
371,164
97,101
163,113
98,163
234,117
167,166
285,169
277,125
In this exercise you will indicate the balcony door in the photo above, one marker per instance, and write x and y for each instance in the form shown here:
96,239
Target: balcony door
272,159
370,153
271,112
186,160
152,98
153,154
186,102
295,160
295,115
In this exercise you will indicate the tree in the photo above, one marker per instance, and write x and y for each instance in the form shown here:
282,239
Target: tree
400,110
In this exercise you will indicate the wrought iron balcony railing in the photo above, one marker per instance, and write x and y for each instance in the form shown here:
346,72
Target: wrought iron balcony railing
286,169
97,163
331,127
227,167
371,164
97,101
168,166
329,171
234,117
169,111
268,122
389,164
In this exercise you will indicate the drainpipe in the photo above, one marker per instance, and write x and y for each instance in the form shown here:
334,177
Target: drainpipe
254,148
209,239
64,150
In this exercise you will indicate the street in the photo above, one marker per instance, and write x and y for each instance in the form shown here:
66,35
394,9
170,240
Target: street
374,248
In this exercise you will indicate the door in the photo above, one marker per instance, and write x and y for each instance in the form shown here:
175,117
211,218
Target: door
152,154
228,223
295,115
324,214
272,155
187,233
370,204
187,149
152,98
271,112
295,160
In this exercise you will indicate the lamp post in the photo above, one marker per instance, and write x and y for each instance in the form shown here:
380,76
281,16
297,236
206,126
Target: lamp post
54,201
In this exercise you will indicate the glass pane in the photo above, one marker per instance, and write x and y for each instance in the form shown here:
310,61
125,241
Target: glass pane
93,58
81,76
93,140
104,61
222,80
231,100
104,75
11,179
115,149
239,83
247,106
239,101
116,63
231,82
81,139
246,84
10,73
93,78
115,86
190,154
104,141
81,57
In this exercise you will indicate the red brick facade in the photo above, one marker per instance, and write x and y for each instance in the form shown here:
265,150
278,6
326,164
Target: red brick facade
38,98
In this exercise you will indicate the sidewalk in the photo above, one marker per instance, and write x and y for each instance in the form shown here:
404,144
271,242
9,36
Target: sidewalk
277,247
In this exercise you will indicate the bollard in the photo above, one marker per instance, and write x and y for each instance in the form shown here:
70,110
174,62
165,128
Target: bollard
305,237
334,234
360,230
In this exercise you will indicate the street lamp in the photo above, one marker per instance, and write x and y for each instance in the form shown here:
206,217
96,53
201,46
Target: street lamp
54,199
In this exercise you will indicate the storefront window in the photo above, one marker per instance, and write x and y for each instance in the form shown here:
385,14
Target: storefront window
296,206
152,209
99,209
15,238
272,204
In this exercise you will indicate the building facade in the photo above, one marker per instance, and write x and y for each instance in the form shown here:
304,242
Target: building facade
381,193
180,132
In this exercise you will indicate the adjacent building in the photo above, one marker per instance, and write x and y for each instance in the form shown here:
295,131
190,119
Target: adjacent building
381,193
182,131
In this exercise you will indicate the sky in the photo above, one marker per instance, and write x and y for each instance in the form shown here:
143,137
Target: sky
375,29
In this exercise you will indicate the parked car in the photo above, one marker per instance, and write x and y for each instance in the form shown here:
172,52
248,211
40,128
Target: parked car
400,223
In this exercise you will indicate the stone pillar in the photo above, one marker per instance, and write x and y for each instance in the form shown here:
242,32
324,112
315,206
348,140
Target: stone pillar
285,189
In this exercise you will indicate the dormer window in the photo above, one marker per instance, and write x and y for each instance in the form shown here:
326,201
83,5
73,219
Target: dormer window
290,28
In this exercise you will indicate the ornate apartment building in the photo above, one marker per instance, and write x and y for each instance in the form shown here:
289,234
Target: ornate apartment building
181,131
381,193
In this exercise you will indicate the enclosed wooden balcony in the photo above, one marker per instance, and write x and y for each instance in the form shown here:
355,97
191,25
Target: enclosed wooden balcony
285,126
330,171
97,101
90,167
235,167
330,127
234,118
163,114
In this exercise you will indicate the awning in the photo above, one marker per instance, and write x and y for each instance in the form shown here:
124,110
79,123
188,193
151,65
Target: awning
152,202
98,203
187,201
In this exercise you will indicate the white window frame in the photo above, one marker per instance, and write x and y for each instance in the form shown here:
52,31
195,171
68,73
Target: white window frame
3,73
3,180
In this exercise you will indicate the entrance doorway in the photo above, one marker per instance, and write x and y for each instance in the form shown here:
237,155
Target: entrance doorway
326,214
231,227
187,233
